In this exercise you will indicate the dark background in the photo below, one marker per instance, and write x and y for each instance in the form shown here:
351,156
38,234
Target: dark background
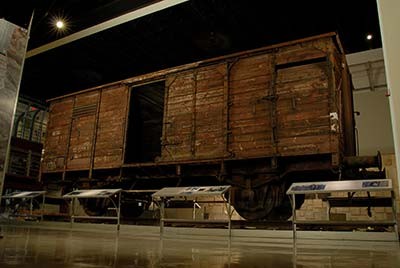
195,30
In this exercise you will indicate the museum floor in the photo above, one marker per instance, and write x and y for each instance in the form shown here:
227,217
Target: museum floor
49,245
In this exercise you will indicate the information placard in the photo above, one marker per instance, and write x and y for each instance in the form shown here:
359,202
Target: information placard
98,193
31,194
192,191
340,186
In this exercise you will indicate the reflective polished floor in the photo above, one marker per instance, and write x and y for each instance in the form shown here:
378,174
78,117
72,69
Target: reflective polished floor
24,246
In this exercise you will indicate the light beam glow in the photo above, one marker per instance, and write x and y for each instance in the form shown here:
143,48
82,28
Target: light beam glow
60,24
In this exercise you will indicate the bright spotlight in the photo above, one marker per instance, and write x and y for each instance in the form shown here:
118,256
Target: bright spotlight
369,36
60,24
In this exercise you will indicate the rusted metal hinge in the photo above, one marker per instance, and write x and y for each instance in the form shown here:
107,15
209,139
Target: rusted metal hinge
270,97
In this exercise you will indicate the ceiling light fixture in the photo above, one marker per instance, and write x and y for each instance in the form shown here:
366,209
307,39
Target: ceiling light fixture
157,6
60,24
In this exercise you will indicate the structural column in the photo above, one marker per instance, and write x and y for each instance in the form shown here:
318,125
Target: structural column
13,43
389,20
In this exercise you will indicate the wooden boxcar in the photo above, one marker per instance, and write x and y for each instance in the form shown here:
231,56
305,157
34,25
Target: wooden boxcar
258,120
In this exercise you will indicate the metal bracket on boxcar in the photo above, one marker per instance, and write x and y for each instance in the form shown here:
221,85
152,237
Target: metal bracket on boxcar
270,97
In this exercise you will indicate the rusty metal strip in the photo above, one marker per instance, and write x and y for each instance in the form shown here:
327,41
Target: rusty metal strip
164,141
94,136
225,111
194,114
68,142
272,98
127,112
228,104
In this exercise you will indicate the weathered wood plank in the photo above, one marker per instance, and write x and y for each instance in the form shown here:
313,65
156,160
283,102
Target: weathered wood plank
302,72
316,144
111,128
301,54
57,135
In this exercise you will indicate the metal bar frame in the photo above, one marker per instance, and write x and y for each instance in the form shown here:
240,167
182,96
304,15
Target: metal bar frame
94,136
294,225
117,207
292,198
24,199
394,212
227,204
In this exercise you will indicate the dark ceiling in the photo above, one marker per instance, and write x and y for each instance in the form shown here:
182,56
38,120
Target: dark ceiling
195,30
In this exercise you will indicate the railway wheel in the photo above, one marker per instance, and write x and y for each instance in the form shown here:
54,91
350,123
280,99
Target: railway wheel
258,203
94,206
284,210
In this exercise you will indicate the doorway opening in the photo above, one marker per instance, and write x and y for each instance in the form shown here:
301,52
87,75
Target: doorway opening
145,123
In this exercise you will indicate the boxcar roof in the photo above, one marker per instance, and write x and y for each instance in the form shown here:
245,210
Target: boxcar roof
145,77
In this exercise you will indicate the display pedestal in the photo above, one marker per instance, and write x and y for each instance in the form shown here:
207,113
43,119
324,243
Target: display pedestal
98,193
26,198
192,194
350,186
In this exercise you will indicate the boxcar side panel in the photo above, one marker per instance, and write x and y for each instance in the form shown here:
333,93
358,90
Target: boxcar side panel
177,141
58,128
195,121
303,109
210,120
111,127
250,110
82,130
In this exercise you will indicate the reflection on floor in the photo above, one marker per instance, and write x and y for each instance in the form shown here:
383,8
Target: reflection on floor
95,246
